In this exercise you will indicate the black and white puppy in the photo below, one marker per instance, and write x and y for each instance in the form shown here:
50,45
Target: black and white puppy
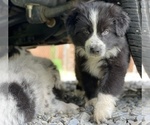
97,30
26,88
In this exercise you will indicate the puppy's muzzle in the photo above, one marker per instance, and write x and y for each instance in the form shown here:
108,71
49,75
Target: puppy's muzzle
96,49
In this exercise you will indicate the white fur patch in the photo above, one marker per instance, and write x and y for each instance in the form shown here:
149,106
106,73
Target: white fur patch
93,66
104,107
112,52
93,63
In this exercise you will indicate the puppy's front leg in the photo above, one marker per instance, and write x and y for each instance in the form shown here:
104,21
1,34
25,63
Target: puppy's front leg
109,90
102,96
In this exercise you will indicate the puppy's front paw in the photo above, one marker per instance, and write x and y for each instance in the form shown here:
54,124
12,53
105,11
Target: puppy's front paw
102,112
104,107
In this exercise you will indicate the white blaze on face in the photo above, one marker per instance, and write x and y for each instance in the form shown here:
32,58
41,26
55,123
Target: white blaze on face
94,39
94,20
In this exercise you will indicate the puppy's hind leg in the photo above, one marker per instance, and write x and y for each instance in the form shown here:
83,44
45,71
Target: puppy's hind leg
62,107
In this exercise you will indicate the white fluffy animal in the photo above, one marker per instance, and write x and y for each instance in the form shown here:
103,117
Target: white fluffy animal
26,85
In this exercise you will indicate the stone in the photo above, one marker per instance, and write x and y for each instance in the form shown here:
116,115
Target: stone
147,118
74,122
139,118
44,122
120,122
84,116
60,123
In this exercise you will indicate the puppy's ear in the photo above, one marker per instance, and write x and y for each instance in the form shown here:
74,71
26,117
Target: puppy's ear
71,20
122,23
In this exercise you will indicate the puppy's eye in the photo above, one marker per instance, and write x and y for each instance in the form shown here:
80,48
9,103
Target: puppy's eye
106,32
86,32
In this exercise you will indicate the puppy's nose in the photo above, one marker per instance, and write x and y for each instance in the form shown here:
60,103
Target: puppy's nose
95,50
91,49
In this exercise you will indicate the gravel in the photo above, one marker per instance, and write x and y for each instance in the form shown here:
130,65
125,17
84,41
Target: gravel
131,108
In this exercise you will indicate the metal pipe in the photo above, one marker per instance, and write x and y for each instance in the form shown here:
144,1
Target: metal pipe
39,14
55,11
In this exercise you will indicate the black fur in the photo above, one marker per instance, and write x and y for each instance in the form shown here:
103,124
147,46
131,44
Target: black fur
13,51
24,103
80,29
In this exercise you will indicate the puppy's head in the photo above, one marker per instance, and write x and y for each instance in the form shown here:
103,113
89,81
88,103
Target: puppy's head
98,27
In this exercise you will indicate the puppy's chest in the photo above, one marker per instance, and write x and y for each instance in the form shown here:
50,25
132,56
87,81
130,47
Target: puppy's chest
95,66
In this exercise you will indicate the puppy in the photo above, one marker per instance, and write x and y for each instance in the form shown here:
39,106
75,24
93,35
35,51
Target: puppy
97,30
26,88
